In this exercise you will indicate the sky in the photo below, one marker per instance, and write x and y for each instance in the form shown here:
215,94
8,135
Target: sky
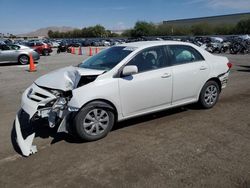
21,16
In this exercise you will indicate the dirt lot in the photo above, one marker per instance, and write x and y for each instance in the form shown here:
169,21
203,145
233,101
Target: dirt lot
183,147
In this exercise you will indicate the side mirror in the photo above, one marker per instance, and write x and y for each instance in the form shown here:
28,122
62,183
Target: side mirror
129,70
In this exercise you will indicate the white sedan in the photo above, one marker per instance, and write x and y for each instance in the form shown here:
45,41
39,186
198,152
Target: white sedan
122,82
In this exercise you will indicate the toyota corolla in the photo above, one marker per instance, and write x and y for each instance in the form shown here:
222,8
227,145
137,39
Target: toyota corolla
118,83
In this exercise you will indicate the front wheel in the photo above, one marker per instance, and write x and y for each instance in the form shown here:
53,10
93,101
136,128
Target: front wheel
93,122
209,94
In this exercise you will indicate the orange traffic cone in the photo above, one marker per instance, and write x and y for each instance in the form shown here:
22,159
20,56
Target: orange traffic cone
73,50
32,64
96,50
80,51
90,51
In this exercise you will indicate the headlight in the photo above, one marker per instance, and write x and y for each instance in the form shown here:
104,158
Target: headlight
61,101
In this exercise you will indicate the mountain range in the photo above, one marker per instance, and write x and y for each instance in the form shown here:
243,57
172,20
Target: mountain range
44,31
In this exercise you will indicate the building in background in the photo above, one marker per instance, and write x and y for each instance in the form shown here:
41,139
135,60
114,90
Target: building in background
230,19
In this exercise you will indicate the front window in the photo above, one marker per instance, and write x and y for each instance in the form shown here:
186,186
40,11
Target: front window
107,59
150,59
5,47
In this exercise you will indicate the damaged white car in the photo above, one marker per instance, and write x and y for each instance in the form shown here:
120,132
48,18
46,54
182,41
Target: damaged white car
121,82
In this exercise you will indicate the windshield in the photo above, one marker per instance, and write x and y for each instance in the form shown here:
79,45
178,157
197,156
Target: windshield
106,59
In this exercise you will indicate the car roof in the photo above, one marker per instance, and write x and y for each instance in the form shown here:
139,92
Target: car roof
143,44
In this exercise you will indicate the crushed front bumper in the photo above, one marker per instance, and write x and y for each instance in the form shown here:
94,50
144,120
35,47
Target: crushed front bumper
38,103
25,144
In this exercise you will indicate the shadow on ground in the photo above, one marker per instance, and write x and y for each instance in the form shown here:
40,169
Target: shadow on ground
246,68
13,64
40,127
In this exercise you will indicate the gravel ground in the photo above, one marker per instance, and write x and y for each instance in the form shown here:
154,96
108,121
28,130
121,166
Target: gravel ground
182,147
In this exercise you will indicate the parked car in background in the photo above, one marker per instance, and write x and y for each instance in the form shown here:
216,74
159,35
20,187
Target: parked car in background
40,47
122,82
17,53
73,44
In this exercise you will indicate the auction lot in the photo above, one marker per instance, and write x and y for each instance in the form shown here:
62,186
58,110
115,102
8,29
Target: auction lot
182,147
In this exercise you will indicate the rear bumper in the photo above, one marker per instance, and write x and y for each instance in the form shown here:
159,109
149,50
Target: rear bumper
224,79
35,56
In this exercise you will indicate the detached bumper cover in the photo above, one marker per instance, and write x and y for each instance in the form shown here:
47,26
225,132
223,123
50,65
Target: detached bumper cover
25,144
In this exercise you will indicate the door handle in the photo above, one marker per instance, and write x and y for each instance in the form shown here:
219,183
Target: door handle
166,75
203,68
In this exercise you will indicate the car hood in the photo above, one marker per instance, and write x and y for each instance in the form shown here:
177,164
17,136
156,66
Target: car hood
65,79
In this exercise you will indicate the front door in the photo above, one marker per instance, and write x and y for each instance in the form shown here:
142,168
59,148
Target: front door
151,88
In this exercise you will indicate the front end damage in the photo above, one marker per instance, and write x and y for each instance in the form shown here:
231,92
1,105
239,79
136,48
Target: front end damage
39,102
49,98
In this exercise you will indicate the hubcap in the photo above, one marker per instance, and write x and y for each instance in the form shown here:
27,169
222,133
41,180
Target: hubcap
211,94
96,122
24,60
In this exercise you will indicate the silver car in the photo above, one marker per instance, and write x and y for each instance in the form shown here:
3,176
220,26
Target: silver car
16,53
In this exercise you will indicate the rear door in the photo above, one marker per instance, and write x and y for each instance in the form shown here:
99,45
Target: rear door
190,72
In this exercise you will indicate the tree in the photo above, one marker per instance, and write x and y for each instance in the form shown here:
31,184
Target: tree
50,34
201,29
243,27
143,28
223,29
127,33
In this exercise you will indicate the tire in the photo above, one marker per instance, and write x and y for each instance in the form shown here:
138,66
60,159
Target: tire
45,52
23,59
94,121
209,94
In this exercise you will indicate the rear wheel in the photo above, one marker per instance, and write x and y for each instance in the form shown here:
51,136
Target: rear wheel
23,59
93,122
209,94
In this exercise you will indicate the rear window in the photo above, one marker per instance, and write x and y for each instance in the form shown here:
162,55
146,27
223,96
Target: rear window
181,54
14,47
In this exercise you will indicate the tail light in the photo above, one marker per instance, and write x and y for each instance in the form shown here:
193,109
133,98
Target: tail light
229,65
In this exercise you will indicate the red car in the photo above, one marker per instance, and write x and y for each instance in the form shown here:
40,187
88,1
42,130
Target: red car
40,47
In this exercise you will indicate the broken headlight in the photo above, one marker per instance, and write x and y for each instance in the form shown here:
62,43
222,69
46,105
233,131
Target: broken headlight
60,103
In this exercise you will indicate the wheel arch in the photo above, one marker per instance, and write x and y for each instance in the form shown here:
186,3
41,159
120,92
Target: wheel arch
105,104
217,80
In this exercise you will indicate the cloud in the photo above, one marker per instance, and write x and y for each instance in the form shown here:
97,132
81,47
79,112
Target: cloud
223,4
